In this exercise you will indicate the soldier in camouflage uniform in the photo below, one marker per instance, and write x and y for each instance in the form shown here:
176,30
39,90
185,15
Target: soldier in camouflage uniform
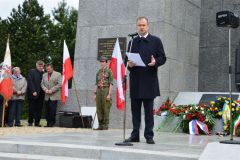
103,89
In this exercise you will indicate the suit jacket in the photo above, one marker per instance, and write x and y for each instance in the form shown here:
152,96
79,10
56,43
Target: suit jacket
53,84
34,84
144,80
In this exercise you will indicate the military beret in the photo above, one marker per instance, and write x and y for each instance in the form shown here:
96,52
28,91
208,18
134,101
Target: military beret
103,58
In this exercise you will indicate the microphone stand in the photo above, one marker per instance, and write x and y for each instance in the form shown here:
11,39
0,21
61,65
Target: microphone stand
231,141
124,143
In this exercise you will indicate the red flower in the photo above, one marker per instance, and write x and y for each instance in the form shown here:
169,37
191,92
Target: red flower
189,117
174,111
200,118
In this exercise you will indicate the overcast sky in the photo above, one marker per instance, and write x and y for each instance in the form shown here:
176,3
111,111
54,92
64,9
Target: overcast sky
7,5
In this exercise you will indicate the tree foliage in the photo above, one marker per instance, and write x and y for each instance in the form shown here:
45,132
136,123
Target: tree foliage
64,28
28,29
34,35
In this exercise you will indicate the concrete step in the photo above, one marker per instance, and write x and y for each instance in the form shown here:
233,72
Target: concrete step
227,151
19,156
75,151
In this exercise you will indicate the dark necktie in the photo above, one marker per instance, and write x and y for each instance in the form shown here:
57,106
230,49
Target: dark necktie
143,39
49,76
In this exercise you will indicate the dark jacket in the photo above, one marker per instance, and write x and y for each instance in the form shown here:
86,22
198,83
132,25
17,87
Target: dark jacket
144,80
34,84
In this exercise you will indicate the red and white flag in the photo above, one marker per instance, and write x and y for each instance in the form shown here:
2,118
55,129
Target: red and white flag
118,70
6,83
67,73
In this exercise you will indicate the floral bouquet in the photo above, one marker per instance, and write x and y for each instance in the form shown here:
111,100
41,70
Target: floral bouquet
176,110
216,107
164,107
196,112
220,109
186,114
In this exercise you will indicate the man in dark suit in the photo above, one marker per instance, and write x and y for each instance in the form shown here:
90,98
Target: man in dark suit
35,94
144,86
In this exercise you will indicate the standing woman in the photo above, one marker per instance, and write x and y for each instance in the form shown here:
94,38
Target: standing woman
18,97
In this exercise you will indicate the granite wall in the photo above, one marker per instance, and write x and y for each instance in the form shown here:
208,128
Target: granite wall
214,55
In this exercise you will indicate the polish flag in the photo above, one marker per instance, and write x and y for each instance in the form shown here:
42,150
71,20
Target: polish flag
67,73
118,70
6,83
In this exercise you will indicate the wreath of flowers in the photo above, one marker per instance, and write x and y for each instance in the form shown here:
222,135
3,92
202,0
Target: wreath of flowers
203,113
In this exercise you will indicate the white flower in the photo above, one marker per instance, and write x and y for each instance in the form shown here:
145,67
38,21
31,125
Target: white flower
203,112
202,108
186,111
184,116
191,108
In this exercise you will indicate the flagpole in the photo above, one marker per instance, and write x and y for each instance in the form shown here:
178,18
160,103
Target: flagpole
125,85
79,106
124,143
3,112
7,65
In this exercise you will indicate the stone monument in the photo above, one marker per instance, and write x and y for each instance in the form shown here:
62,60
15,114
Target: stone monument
176,22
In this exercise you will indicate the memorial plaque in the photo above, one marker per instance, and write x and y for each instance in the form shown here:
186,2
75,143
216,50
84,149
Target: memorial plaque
106,45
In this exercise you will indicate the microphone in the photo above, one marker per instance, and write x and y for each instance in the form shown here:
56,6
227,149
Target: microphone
133,34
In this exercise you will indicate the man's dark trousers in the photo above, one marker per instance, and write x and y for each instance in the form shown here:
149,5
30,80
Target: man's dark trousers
51,108
35,110
136,105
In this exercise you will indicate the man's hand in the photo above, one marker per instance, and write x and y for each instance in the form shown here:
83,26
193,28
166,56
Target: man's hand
131,64
50,91
19,93
94,97
47,91
153,61
34,94
108,97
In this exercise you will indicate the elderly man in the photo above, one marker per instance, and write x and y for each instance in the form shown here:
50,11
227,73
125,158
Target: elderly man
51,85
16,102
